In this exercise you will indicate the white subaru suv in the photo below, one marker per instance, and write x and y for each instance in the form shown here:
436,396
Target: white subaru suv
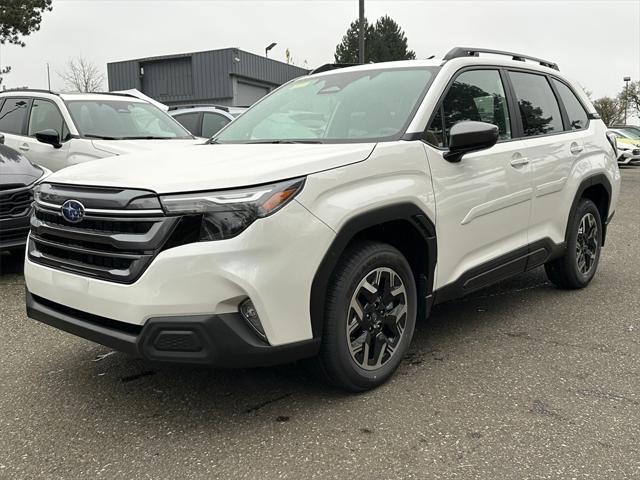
329,216
56,130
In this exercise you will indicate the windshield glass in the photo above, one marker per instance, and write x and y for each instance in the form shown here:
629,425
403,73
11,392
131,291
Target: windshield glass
371,105
123,120
630,133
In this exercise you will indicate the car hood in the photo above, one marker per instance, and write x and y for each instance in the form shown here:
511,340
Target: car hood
212,167
122,147
16,170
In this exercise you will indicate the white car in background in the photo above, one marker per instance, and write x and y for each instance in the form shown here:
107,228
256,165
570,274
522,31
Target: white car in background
204,120
628,145
57,130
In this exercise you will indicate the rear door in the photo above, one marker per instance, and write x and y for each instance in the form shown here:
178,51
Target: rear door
554,133
13,123
45,115
482,202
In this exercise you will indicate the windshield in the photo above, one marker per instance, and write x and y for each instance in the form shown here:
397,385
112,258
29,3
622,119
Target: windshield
371,105
630,133
123,120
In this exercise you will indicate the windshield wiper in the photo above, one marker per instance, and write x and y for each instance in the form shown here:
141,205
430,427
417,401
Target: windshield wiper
151,137
101,137
283,141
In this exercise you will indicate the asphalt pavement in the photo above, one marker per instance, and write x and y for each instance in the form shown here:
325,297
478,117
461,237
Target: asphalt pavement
519,381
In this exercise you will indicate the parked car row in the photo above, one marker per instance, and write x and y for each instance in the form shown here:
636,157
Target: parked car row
628,143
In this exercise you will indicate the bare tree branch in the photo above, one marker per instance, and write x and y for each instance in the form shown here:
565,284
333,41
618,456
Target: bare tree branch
82,75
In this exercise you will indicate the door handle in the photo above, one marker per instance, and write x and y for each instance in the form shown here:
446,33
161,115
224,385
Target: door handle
24,147
575,148
519,162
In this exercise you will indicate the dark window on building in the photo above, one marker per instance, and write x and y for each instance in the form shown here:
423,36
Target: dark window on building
476,95
538,106
575,111
212,123
13,114
190,121
46,116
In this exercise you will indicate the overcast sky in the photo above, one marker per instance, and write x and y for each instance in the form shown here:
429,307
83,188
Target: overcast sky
594,42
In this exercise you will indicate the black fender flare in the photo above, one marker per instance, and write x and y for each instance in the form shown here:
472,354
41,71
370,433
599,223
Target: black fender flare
371,218
597,179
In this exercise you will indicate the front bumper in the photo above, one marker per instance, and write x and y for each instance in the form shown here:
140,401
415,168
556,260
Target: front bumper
223,341
627,157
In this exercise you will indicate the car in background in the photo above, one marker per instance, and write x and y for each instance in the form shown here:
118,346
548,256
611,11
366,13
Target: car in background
56,130
18,176
204,120
635,129
628,145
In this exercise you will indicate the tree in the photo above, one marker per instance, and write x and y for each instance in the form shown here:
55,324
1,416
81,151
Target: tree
630,98
81,75
20,19
611,110
383,42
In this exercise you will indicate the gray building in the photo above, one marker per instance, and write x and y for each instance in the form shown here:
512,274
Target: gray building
227,77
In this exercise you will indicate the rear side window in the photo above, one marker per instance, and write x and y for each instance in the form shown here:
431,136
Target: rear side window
575,111
212,123
13,114
476,95
46,116
190,121
538,106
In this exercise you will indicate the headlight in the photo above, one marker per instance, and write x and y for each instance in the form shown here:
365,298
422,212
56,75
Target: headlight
225,214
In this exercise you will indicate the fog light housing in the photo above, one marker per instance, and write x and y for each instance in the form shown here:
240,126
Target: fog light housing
250,314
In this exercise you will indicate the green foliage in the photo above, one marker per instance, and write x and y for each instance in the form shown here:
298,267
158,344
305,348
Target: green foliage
18,19
383,42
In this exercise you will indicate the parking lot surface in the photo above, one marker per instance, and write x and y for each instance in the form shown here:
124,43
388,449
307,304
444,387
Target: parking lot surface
518,381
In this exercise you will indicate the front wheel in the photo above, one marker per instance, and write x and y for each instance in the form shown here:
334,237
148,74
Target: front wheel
369,317
576,268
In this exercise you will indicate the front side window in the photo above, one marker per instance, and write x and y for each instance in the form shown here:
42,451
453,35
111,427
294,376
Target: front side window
575,111
358,105
123,120
476,95
46,116
538,106
212,123
13,114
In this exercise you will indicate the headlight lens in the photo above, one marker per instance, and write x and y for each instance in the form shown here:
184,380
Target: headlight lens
225,214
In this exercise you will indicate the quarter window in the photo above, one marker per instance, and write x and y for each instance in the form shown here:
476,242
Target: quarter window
575,111
476,95
212,123
538,105
13,114
46,116
190,121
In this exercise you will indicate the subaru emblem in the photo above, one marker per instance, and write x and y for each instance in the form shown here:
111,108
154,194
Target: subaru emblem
73,211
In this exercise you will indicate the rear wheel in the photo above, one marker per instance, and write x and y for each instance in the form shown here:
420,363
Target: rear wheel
369,318
576,268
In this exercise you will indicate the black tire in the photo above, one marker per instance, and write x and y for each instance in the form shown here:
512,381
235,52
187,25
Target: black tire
364,262
568,271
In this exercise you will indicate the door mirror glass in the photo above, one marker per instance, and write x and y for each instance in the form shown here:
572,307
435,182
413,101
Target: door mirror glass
468,136
50,137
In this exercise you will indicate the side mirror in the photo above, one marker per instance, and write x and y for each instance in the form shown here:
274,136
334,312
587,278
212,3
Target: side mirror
50,137
1,139
468,136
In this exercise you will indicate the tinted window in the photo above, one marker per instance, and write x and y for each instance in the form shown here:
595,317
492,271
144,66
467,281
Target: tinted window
577,116
212,123
13,114
46,116
538,105
476,95
190,121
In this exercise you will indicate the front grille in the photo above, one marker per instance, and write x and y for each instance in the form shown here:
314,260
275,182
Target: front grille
114,244
15,203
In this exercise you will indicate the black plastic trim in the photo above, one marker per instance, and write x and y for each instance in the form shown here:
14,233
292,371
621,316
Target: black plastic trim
401,211
597,179
223,341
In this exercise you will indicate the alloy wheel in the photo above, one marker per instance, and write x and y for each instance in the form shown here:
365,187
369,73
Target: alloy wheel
587,243
377,318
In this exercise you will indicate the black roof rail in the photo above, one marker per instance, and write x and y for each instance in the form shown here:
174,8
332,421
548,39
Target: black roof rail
332,66
224,108
459,52
35,90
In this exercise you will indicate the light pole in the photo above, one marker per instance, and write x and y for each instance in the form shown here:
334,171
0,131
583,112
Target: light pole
48,77
626,97
266,50
361,33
